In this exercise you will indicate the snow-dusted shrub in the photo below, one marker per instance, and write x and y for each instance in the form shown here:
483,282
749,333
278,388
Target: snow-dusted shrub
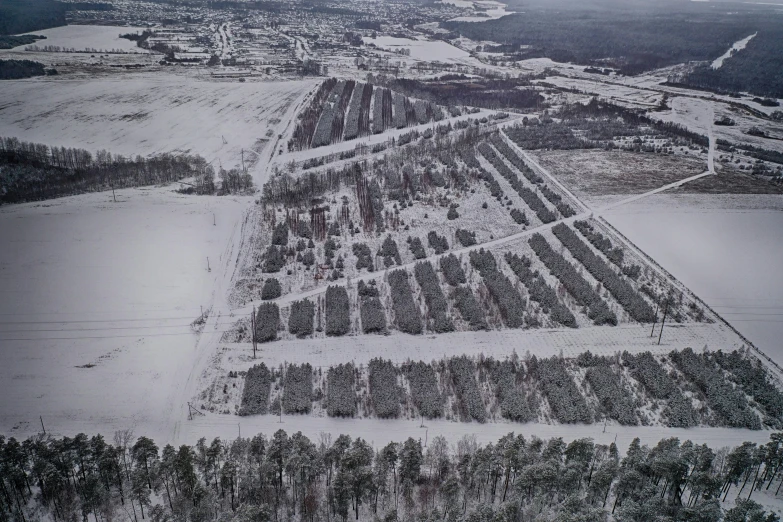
519,217
510,303
424,389
565,399
433,296
303,230
727,402
267,322
308,258
452,270
280,234
330,247
580,290
298,388
363,257
338,313
512,399
620,289
751,375
465,237
367,290
468,155
468,307
384,392
300,322
407,316
354,109
271,289
334,229
274,259
437,243
373,315
255,394
632,271
452,213
341,397
614,399
463,375
557,201
389,252
540,291
416,248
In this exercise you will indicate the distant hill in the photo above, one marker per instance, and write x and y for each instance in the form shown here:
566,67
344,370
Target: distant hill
22,16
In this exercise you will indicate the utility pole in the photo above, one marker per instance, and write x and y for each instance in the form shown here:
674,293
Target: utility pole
214,221
665,310
42,426
208,269
243,161
253,333
655,321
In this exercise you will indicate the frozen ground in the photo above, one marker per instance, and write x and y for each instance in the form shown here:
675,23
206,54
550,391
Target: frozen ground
425,50
149,113
97,301
725,249
738,46
89,37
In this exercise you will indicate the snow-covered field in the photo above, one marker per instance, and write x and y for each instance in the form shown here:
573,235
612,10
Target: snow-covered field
425,50
88,37
149,113
727,249
97,301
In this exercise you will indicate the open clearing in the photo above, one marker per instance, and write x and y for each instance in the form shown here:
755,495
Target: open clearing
89,37
715,246
147,114
97,303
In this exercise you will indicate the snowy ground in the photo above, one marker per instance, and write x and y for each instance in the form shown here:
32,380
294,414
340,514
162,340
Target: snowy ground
89,37
97,303
147,113
727,249
425,50
738,46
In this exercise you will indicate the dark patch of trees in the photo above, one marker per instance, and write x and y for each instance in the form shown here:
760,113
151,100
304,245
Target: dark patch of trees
23,16
18,69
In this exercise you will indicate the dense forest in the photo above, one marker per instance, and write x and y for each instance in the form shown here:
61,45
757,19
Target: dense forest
17,69
32,172
630,42
757,69
286,477
23,16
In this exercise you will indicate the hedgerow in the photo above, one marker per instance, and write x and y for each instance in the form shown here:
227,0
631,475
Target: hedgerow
384,392
338,313
510,303
513,158
621,289
678,412
540,291
300,322
604,244
469,309
255,394
267,322
512,399
372,315
463,375
754,379
436,242
271,289
323,131
424,389
341,397
614,399
433,297
729,403
567,402
406,313
298,388
519,217
580,290
452,270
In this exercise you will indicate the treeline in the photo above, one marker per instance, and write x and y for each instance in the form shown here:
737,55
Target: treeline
631,42
33,172
290,477
757,69
18,69
23,16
